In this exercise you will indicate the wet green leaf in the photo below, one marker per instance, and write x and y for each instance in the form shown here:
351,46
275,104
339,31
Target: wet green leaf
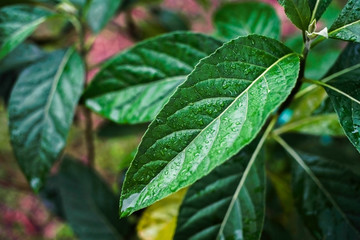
344,75
327,195
17,22
134,85
41,110
88,203
203,214
347,25
216,112
298,11
240,19
320,9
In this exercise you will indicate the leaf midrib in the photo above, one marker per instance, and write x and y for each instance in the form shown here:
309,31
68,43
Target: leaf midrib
54,86
24,28
168,79
218,117
315,179
342,27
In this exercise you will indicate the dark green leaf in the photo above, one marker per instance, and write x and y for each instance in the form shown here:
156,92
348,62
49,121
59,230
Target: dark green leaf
135,84
20,57
12,64
41,110
216,112
298,11
17,23
327,195
240,19
344,75
203,214
88,203
321,58
320,5
100,13
347,25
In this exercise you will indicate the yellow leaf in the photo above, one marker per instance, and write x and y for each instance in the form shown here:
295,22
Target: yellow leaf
158,221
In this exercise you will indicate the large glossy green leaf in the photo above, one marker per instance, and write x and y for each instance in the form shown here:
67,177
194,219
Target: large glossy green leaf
298,11
134,85
203,214
216,112
347,25
88,203
41,110
319,6
344,75
17,23
240,19
327,195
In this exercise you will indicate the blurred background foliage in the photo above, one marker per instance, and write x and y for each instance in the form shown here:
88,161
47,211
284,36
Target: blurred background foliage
24,215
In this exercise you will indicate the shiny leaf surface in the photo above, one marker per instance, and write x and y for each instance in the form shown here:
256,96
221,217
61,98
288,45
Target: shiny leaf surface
240,19
135,84
203,212
41,110
216,112
327,195
298,11
17,23
88,203
347,25
344,75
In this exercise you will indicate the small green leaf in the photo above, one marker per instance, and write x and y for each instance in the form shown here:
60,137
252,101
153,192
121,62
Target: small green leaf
41,110
240,19
88,203
328,197
327,124
217,111
17,23
203,212
134,85
298,11
344,75
347,25
319,6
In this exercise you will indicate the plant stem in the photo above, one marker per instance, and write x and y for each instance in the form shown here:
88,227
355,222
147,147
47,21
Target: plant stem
89,136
